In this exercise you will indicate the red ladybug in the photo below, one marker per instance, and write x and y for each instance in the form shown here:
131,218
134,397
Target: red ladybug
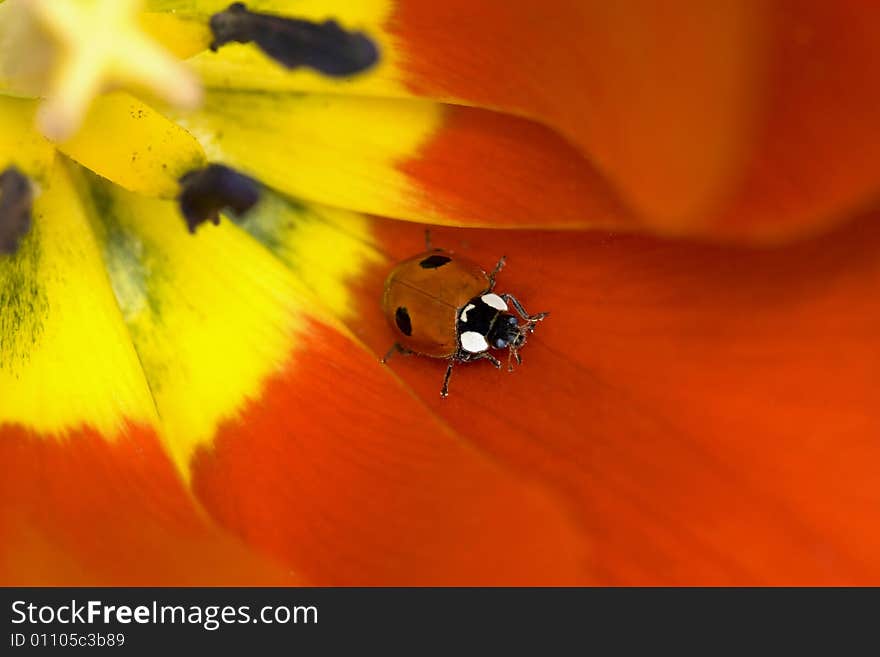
443,306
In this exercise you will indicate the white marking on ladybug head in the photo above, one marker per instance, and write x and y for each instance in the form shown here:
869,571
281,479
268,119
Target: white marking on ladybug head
464,312
474,342
494,301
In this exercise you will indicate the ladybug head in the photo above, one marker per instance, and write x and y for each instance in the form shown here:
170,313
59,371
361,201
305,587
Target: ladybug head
508,332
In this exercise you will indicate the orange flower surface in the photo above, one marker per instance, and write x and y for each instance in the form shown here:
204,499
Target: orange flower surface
689,190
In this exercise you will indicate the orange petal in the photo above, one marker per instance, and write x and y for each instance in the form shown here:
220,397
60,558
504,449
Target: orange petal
339,470
87,492
658,97
748,120
86,511
289,432
817,148
481,168
709,412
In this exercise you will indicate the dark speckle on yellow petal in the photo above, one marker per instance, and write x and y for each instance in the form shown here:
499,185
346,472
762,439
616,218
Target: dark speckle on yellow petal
24,304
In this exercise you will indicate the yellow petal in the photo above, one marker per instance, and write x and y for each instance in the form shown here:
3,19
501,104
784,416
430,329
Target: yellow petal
335,150
212,315
66,360
326,248
20,144
133,145
181,36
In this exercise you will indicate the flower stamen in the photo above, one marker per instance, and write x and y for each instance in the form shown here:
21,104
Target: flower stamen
206,192
91,46
293,42
16,199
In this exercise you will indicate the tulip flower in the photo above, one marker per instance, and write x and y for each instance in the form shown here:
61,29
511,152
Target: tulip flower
689,191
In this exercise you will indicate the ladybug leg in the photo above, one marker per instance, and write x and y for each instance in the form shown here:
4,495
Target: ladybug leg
396,348
444,391
487,356
531,319
513,355
495,271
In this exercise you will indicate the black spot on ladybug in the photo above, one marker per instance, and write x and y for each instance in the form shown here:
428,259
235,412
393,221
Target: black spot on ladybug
205,192
294,42
401,318
434,261
16,199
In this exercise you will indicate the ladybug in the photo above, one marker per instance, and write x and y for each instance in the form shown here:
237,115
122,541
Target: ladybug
444,306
